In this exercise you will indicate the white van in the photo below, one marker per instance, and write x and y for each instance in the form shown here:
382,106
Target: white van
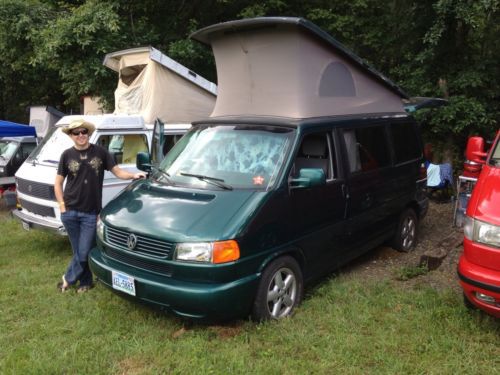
123,135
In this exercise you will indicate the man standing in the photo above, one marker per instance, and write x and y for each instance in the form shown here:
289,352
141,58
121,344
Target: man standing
83,167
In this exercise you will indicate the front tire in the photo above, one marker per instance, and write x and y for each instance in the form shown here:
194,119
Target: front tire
405,238
280,290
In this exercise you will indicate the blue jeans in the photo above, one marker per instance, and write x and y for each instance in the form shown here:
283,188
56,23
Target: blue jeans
81,229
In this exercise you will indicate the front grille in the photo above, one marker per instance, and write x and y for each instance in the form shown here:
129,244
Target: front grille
37,208
36,189
145,245
145,264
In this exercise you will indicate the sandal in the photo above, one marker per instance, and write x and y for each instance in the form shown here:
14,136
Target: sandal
63,286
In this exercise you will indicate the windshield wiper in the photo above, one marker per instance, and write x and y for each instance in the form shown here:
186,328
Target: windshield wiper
214,181
163,173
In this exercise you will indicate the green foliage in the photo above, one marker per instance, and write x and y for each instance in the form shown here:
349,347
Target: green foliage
53,49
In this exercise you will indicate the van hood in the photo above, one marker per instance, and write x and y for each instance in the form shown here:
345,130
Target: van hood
484,201
181,214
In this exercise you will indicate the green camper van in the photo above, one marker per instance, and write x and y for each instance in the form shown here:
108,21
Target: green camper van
307,161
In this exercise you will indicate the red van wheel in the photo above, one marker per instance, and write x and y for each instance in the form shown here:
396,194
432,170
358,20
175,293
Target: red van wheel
280,290
405,238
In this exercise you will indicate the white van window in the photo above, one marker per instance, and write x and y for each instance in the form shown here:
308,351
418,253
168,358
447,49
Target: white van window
51,147
124,147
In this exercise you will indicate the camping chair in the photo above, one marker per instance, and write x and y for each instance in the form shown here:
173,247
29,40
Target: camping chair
440,185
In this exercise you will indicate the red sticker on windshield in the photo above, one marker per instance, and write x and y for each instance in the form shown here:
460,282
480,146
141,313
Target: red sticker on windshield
258,180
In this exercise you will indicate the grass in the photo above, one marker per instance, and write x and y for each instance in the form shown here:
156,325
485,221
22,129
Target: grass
343,326
409,272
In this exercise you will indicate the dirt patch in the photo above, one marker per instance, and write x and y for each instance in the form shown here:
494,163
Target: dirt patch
436,236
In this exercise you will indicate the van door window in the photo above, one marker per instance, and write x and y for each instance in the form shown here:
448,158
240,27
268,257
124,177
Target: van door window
405,143
124,147
170,141
315,152
367,148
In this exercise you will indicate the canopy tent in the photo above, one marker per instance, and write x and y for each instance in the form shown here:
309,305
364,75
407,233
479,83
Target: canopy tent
153,85
12,129
281,66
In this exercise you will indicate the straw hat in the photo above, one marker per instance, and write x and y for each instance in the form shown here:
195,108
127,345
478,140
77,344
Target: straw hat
80,123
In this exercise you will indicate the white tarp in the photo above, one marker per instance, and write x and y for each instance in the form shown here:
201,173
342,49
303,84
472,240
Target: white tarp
154,86
289,67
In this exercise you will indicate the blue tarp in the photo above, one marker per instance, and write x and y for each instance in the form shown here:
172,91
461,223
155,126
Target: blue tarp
12,129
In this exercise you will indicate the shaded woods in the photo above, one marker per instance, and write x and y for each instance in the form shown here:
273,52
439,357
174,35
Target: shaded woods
51,51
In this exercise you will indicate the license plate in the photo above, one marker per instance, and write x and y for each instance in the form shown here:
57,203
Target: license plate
123,282
26,226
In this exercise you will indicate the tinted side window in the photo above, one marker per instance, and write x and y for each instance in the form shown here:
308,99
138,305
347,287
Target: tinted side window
367,148
405,142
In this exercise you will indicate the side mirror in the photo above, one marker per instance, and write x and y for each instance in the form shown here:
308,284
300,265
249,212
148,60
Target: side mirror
309,177
475,150
143,162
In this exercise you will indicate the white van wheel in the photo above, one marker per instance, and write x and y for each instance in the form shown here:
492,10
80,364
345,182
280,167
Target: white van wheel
405,238
280,290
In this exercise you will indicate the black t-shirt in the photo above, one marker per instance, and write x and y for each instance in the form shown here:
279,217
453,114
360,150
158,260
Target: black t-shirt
84,172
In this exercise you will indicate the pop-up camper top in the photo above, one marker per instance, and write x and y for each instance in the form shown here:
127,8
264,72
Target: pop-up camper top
156,86
150,85
289,67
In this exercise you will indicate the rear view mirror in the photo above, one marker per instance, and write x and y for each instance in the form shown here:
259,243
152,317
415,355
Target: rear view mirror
143,162
309,177
475,150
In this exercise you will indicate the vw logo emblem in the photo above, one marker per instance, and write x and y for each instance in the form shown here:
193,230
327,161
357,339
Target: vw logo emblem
131,241
30,188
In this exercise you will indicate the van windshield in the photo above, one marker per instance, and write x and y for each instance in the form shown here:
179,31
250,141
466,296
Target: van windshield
7,149
50,149
227,157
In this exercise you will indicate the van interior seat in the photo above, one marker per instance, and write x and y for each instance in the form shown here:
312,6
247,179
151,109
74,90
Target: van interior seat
313,154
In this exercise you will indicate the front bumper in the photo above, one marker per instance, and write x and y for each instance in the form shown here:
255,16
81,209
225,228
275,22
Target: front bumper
30,221
187,299
477,279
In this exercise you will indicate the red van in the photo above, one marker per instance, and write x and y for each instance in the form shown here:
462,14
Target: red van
479,264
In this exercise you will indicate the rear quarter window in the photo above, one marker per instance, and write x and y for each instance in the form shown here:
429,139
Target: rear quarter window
405,142
367,148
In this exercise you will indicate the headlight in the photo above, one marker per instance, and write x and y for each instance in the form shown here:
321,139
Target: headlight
2,169
208,252
100,229
485,233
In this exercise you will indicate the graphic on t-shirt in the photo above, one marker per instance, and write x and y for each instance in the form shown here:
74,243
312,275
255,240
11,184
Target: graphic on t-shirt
96,163
73,167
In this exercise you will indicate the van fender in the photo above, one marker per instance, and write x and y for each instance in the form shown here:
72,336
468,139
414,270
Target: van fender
293,251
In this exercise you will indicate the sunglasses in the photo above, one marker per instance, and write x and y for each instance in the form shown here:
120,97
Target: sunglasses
78,132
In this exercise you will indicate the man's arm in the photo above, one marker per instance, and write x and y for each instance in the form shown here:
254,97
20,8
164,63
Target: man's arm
58,190
124,175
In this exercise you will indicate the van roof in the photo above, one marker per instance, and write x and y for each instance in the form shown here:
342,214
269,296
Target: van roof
285,66
303,122
107,121
19,139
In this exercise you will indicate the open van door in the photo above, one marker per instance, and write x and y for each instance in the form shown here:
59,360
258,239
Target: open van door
157,143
